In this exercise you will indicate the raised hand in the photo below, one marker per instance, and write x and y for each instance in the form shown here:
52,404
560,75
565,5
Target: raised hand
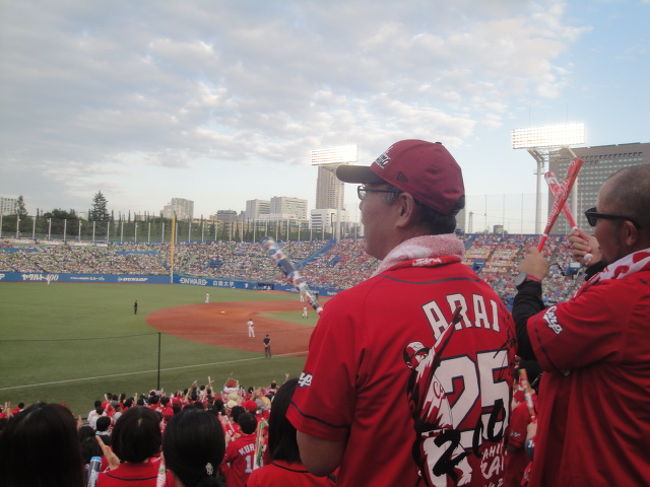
584,248
109,455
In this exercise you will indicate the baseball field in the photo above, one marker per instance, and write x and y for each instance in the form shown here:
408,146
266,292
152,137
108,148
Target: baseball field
71,343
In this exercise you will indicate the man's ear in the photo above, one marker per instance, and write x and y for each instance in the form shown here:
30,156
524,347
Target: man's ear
407,211
631,234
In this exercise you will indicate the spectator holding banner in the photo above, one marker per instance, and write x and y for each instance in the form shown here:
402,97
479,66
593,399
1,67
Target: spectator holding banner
390,356
595,348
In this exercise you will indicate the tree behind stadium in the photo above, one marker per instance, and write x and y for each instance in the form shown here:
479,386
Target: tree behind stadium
98,211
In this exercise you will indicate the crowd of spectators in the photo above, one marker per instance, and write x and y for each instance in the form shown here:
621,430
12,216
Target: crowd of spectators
210,436
324,264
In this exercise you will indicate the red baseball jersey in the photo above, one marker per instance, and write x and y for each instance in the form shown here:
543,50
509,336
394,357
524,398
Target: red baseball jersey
240,458
594,417
417,395
284,474
516,456
131,474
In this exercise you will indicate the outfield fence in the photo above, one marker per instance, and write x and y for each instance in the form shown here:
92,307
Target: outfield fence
7,276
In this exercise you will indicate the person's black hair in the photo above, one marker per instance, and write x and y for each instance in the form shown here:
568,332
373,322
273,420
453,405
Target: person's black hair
218,406
97,403
136,435
103,423
282,435
128,403
436,222
89,449
247,422
39,447
194,446
177,407
236,411
85,432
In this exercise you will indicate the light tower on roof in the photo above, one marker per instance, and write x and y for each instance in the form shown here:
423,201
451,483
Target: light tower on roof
540,141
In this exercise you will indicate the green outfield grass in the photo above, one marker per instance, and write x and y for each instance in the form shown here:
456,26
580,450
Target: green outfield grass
71,343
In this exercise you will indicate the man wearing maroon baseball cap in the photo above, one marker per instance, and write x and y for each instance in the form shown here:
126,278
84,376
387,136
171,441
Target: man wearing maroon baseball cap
425,170
362,404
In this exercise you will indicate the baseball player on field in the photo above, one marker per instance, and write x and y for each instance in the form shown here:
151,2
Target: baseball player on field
408,378
251,328
593,426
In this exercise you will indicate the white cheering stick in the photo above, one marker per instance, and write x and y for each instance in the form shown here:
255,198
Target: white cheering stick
288,269
555,188
560,200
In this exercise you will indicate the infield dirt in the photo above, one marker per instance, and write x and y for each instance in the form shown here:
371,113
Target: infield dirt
224,325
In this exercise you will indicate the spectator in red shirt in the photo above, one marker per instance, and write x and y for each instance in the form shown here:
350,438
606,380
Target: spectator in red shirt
516,456
240,454
285,468
136,441
194,447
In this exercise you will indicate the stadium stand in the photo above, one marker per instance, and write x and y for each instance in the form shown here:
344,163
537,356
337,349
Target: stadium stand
324,263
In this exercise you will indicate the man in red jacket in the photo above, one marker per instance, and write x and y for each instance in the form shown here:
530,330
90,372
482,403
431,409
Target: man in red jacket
409,373
594,421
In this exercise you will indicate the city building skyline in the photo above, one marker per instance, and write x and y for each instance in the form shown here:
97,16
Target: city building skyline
8,205
329,189
258,209
600,162
181,207
288,208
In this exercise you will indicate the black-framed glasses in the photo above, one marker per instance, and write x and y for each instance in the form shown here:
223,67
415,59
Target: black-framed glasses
362,191
593,216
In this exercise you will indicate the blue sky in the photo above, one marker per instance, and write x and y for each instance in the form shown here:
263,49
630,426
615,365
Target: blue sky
221,102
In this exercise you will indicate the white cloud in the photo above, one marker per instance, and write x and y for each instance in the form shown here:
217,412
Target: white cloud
152,83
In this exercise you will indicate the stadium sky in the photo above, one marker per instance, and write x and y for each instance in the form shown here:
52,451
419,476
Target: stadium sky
220,102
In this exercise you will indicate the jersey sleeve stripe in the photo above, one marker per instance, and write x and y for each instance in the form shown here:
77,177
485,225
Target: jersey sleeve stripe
331,425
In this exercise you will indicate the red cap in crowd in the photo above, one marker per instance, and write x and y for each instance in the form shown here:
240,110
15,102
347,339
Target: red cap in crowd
426,170
250,406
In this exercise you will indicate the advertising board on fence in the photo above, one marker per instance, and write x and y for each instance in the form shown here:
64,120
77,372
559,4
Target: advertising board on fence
150,279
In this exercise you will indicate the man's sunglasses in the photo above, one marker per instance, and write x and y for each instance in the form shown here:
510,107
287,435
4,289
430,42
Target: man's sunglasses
362,191
593,216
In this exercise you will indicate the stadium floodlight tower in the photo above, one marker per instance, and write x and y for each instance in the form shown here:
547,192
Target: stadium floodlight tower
540,141
329,190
